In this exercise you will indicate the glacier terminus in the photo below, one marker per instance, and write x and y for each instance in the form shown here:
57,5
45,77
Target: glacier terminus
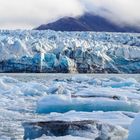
69,52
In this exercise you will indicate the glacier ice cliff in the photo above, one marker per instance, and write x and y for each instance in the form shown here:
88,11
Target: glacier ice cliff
68,52
66,107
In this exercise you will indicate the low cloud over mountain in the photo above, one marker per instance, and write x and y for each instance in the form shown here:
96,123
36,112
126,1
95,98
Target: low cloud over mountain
87,22
32,13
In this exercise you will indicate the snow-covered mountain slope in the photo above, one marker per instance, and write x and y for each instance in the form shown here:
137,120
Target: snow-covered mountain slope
50,51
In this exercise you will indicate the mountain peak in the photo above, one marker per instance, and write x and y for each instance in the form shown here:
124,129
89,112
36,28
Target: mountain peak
86,22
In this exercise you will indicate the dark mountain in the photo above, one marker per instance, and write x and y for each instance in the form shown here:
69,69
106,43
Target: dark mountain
87,22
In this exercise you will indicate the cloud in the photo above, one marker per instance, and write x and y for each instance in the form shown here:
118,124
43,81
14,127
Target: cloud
121,12
31,13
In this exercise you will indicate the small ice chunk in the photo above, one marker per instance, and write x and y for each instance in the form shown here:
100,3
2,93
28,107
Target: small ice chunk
62,138
134,133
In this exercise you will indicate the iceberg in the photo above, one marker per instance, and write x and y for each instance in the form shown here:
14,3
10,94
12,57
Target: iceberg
86,129
65,103
134,131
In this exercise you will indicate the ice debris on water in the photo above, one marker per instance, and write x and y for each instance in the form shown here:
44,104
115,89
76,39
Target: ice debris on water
110,101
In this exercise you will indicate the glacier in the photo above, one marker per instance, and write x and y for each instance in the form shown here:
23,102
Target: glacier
69,52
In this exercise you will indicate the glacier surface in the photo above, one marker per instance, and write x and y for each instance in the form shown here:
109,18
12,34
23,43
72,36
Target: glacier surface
69,52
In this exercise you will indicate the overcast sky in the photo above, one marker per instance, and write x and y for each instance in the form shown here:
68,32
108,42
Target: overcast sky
27,14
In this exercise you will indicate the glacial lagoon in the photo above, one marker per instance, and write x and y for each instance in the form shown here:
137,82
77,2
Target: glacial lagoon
110,101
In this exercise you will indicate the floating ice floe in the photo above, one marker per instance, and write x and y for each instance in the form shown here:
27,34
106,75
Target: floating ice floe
134,131
86,129
62,103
